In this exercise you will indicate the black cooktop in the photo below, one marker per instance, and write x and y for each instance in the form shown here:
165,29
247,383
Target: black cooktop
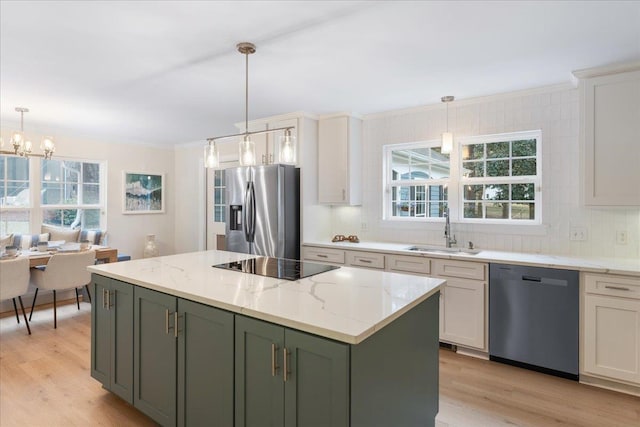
280,268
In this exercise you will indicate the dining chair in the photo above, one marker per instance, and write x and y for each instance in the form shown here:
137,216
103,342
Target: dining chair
63,271
14,281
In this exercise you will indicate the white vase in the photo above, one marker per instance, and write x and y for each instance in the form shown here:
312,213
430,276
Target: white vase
150,248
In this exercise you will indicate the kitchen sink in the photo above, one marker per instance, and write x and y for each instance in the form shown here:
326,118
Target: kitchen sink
441,250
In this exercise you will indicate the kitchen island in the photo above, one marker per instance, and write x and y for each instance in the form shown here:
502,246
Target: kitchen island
189,344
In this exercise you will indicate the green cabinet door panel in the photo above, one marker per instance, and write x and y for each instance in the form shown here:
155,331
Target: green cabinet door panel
121,309
259,395
100,333
112,335
155,351
205,365
317,387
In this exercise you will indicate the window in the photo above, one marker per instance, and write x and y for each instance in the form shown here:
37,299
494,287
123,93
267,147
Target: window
499,178
218,196
66,193
495,179
15,199
417,176
70,193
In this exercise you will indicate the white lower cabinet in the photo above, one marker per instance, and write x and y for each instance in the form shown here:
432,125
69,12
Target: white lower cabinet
612,327
462,313
463,303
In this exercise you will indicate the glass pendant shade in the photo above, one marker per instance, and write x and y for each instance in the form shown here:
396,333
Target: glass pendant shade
17,139
247,152
47,144
287,148
211,156
447,143
27,147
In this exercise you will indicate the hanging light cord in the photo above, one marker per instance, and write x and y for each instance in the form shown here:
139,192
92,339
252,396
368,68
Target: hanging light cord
246,93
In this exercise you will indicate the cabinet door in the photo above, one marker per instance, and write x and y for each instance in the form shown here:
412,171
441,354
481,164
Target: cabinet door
462,313
612,337
259,386
205,365
100,332
333,157
155,355
120,303
317,385
611,129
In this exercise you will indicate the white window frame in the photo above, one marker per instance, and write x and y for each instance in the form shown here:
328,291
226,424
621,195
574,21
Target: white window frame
389,182
536,180
101,205
36,208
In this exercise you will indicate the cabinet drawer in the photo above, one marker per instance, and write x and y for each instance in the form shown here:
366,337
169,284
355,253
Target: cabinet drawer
365,259
462,269
619,286
323,255
409,264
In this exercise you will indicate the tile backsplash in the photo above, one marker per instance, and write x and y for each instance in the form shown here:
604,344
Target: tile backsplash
553,110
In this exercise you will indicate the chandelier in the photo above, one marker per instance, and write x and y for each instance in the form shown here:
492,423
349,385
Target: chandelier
247,148
23,146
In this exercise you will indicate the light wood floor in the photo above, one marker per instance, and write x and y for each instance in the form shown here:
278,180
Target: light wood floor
45,381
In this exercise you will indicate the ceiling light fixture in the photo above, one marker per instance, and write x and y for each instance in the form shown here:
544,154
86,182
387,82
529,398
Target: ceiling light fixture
447,137
247,148
22,146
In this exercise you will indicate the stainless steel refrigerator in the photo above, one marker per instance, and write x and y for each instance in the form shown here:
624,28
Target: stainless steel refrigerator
263,210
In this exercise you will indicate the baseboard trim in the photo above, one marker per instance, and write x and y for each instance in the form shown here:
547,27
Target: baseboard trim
610,385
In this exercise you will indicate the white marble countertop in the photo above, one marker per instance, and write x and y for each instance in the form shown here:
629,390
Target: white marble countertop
347,304
624,266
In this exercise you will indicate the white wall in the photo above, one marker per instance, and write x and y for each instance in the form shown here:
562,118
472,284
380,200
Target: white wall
125,232
189,199
555,111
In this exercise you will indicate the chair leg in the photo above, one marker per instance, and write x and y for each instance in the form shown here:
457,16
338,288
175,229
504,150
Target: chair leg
33,303
55,313
25,315
88,293
77,299
15,308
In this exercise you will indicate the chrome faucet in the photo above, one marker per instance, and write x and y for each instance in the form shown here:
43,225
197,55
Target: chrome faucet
447,230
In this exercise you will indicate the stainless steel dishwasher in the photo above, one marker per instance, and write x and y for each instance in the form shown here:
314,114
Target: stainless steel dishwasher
533,318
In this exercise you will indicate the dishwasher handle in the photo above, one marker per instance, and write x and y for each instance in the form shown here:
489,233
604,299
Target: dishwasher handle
532,279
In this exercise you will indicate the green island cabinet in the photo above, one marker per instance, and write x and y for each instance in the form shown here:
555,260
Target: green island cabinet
112,336
198,365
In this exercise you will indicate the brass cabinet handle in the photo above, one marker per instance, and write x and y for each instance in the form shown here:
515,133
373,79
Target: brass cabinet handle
344,194
366,261
617,288
322,256
285,364
166,321
108,300
274,361
104,298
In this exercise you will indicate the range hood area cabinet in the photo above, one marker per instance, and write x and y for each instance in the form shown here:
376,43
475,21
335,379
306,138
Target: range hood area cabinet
340,160
610,134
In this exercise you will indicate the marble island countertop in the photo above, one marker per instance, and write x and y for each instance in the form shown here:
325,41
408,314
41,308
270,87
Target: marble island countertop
625,266
347,304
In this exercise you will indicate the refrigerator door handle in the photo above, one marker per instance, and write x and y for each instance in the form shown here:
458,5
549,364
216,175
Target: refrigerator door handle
249,213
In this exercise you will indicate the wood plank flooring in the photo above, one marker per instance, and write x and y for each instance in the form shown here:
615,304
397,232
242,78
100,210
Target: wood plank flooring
45,381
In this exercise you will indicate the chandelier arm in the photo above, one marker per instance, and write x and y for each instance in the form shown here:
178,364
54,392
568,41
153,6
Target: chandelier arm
256,132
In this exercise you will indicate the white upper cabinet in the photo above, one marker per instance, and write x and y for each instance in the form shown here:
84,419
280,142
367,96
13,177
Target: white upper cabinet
340,160
610,135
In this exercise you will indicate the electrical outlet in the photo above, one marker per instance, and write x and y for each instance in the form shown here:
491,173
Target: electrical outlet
578,233
363,226
622,237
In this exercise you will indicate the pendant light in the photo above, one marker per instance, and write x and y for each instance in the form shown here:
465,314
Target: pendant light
447,137
287,148
246,146
23,146
211,156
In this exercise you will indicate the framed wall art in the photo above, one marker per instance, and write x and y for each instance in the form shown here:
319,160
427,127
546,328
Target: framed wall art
143,193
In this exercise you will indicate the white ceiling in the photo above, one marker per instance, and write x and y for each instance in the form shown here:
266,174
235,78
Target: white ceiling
164,72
